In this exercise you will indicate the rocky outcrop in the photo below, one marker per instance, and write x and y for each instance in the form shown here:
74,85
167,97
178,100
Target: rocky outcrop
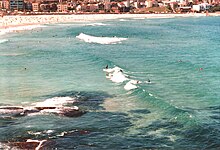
16,111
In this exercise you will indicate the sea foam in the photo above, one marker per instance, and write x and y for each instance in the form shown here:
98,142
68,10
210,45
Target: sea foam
55,102
96,24
115,74
19,28
3,41
100,40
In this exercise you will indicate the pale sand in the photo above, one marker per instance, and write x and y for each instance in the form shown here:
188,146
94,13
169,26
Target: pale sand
14,21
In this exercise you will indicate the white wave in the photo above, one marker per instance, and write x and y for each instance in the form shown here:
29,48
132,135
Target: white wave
11,54
62,133
40,133
2,32
65,24
3,41
19,28
111,70
139,18
118,77
55,102
49,131
115,74
135,82
100,40
132,85
151,94
123,20
96,24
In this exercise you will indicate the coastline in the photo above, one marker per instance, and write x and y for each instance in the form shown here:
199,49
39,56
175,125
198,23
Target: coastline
15,21
178,106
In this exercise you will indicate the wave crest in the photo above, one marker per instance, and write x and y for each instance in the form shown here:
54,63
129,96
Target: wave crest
100,40
19,28
3,41
55,102
97,24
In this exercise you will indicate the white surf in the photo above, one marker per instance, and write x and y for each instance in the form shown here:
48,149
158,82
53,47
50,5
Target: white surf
100,40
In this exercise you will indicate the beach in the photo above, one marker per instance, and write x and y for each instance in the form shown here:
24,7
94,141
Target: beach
14,21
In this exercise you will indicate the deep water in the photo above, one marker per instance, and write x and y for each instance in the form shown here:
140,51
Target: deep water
178,109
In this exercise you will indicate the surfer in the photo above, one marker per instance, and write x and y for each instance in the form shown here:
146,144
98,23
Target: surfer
107,74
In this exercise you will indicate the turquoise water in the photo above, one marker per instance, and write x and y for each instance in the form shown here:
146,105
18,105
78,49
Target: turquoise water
179,109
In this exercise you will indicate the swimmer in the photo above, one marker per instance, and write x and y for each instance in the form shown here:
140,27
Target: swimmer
148,81
107,74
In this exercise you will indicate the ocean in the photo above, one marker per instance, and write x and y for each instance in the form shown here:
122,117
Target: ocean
175,105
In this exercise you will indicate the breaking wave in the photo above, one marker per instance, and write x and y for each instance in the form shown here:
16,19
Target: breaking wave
55,102
96,24
100,40
3,41
19,28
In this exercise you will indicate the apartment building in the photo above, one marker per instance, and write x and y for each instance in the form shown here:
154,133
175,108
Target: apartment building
16,5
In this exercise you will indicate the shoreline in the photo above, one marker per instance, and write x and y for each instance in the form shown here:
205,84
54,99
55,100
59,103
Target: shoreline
7,22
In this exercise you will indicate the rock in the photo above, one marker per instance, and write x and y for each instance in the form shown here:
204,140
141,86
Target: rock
11,110
71,112
31,144
65,111
22,111
24,145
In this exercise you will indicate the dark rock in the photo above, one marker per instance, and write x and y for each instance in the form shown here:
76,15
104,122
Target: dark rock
24,145
31,144
20,111
71,112
11,110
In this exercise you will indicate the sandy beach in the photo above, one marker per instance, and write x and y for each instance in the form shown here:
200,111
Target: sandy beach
13,21
17,23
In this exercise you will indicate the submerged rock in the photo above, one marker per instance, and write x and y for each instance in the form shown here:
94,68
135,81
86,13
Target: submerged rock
71,112
24,145
22,111
11,110
30,144
65,111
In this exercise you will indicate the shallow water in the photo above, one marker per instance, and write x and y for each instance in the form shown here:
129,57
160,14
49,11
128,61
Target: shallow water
179,109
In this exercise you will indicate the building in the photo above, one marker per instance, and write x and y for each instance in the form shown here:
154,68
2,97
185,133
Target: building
36,7
16,5
128,4
93,7
62,7
149,3
107,5
4,4
28,6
